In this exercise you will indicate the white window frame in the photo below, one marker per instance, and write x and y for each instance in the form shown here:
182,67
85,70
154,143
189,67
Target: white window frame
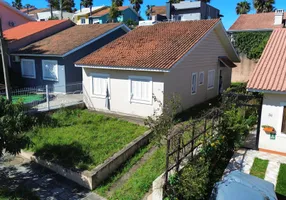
57,70
203,73
33,67
280,122
99,75
143,78
196,89
82,19
213,70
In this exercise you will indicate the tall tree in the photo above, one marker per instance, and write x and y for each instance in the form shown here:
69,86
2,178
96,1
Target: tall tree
53,4
118,2
149,11
242,7
28,6
175,1
262,6
136,4
17,4
113,12
87,4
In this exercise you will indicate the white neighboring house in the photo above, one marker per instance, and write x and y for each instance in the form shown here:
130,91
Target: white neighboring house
44,16
269,78
182,58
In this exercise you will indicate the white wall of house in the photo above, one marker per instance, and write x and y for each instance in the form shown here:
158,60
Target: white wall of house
272,115
119,87
202,58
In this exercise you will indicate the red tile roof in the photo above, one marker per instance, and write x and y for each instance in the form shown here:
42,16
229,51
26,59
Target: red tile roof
68,39
159,10
254,22
29,29
156,47
270,71
106,11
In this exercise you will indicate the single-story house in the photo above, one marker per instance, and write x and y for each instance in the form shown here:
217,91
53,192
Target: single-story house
185,58
102,16
81,16
50,61
259,22
269,78
11,16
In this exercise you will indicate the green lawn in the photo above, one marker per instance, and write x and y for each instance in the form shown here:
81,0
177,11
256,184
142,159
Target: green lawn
259,167
141,181
29,98
281,181
81,139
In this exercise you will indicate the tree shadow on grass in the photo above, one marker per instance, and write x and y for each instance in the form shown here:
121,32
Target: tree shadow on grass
71,156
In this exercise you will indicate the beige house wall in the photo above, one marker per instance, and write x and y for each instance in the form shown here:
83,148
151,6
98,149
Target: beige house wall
243,70
203,57
120,92
272,115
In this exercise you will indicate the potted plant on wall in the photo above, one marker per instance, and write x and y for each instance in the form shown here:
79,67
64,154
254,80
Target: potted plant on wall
269,129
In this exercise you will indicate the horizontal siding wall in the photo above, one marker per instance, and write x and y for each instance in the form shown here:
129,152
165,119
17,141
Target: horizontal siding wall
120,92
203,57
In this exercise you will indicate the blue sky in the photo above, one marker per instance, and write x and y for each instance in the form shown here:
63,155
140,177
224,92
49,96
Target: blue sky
227,7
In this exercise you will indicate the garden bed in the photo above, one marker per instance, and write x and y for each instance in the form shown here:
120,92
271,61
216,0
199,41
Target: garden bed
73,141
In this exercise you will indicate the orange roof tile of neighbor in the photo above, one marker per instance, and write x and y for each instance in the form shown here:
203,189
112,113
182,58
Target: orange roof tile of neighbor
258,21
159,10
153,47
270,72
106,11
68,39
29,29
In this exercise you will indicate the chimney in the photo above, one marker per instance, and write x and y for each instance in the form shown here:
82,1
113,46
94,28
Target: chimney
168,10
279,13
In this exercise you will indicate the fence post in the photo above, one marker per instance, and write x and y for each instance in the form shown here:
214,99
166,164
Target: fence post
47,97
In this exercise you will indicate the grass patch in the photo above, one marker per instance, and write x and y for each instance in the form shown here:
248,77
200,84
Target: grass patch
259,167
79,139
141,181
29,98
281,181
106,185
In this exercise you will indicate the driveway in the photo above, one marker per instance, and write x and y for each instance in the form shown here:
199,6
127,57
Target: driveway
16,171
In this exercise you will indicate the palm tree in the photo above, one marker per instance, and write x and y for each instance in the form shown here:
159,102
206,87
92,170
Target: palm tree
262,6
136,4
87,4
118,2
242,7
113,12
68,5
53,4
149,11
28,6
17,4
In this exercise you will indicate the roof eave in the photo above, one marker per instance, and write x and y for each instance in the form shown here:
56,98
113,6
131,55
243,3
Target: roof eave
265,91
250,30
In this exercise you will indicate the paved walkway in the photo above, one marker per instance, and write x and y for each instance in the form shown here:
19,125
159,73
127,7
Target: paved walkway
243,160
16,171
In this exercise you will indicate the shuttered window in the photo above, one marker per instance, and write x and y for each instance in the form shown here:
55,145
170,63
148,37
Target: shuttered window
140,89
50,70
100,85
194,83
28,68
284,121
211,79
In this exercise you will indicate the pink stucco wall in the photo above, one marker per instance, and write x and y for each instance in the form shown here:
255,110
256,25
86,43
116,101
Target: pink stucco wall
7,14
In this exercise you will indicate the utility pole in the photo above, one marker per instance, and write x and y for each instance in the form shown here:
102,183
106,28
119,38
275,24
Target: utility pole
4,54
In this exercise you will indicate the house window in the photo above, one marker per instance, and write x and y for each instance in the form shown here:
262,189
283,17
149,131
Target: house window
284,121
194,83
140,89
100,85
50,70
201,78
211,79
82,20
28,68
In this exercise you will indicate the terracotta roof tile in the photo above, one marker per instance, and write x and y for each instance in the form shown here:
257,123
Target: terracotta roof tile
106,11
28,29
66,40
36,11
270,71
254,21
159,10
159,46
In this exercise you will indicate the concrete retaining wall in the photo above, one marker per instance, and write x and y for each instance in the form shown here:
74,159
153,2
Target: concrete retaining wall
91,179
